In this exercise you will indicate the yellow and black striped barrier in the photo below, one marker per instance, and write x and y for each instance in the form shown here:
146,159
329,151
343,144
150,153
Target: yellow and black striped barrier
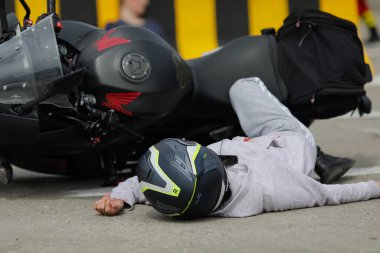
197,26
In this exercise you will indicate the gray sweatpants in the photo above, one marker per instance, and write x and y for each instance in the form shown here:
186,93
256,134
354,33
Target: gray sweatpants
265,114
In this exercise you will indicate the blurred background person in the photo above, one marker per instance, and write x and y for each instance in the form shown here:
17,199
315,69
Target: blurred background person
133,12
367,15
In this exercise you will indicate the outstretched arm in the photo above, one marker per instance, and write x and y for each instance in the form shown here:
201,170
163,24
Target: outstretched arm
292,190
345,193
125,194
129,191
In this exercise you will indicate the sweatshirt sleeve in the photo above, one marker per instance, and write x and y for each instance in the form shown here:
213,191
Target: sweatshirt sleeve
339,194
291,189
129,191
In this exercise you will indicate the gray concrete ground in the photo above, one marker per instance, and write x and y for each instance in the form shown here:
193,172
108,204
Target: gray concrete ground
41,213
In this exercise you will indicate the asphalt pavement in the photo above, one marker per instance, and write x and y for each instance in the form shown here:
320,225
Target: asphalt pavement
43,213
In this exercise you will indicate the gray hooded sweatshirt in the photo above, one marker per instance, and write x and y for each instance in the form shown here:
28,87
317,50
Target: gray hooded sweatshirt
275,164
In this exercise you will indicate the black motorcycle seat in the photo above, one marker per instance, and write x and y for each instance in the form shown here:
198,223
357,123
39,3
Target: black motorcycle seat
214,74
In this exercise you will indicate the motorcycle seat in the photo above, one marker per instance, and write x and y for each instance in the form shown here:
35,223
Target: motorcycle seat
244,57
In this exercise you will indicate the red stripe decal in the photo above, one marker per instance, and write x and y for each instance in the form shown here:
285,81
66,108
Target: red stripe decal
107,42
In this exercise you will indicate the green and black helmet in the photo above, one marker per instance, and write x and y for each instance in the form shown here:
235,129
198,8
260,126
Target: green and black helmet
182,178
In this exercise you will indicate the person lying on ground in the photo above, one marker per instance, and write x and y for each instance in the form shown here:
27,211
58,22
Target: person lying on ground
271,170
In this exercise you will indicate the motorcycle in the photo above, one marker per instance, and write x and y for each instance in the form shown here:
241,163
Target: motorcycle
78,100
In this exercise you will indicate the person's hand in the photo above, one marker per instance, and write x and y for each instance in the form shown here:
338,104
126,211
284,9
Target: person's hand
378,182
109,206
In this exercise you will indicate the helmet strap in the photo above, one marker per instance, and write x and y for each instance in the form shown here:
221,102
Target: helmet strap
229,160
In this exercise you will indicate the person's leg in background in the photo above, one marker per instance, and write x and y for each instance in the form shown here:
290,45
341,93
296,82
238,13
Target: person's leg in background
367,15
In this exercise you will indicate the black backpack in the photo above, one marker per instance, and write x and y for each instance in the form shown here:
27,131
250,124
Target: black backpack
322,63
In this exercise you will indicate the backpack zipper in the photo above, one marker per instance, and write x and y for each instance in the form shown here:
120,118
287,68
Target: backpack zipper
343,24
310,25
298,24
347,93
313,98
305,35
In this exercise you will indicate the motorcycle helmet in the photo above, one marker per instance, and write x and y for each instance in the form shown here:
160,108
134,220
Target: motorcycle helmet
182,179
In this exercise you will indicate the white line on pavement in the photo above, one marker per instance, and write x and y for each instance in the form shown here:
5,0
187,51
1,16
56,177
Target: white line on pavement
374,131
363,171
373,53
372,115
375,82
84,193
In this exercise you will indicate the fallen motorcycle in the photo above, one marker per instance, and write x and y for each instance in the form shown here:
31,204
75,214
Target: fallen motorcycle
78,100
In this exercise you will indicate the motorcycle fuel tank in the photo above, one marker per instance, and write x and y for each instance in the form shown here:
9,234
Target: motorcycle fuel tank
135,72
